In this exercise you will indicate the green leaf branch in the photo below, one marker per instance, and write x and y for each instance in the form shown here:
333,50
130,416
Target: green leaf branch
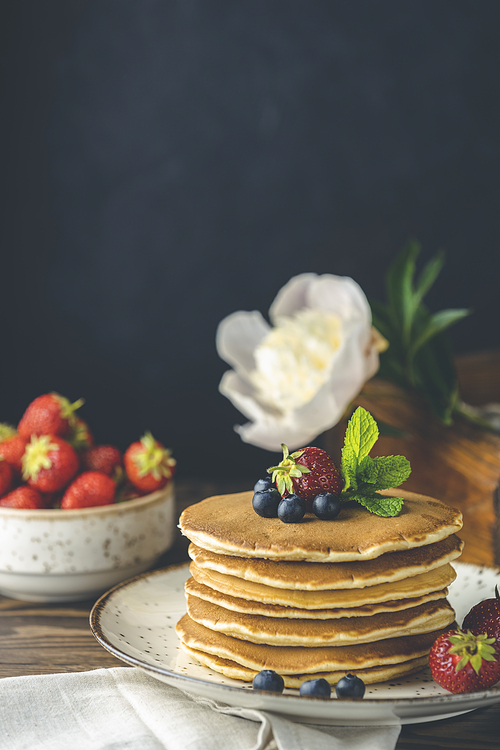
419,354
365,476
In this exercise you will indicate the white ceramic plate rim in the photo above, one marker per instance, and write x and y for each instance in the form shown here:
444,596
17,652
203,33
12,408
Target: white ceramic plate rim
449,704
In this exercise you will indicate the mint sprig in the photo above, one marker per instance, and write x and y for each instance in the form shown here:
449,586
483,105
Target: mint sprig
364,476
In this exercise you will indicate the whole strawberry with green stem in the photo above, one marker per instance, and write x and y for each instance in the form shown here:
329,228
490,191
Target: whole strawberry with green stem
6,431
6,477
307,473
12,450
79,435
89,489
24,498
49,463
148,464
49,414
462,662
105,458
485,617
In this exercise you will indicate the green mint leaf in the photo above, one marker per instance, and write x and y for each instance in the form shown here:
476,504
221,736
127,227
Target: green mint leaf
383,472
362,433
349,468
379,504
364,475
367,471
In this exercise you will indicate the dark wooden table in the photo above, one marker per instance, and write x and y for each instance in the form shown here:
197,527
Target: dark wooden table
43,639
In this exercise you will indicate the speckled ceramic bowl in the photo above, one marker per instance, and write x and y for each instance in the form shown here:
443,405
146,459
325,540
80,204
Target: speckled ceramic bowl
70,555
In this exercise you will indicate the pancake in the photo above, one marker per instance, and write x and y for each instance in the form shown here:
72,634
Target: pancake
316,633
408,588
297,660
235,604
227,524
310,576
374,674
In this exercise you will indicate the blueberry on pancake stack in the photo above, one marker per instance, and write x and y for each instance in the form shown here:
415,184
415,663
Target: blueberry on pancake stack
363,593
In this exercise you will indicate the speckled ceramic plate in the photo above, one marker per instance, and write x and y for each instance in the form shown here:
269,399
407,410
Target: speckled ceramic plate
136,620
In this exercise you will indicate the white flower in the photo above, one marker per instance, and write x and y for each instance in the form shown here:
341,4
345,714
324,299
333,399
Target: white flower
295,380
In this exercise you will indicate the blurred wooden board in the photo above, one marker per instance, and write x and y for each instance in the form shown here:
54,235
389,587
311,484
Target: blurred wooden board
459,464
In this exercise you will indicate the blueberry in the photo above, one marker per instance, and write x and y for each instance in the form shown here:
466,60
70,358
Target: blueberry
315,688
326,506
291,509
263,484
265,503
269,680
350,686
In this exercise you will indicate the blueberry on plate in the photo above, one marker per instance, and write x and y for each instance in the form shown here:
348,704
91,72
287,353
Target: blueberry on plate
268,680
291,509
326,506
350,686
265,503
318,688
266,483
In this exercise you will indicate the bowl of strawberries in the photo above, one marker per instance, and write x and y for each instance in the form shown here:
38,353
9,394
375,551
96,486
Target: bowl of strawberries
77,517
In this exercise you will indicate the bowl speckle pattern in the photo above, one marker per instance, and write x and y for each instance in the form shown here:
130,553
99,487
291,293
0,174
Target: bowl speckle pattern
64,555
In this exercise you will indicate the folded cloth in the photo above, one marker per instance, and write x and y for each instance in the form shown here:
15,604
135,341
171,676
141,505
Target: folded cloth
125,709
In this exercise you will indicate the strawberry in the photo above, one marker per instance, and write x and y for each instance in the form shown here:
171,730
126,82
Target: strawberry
49,463
126,491
463,662
6,431
306,472
105,458
6,476
12,450
148,465
80,436
485,617
23,497
50,414
89,489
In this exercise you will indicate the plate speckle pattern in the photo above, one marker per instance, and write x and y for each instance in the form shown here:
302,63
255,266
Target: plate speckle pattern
136,622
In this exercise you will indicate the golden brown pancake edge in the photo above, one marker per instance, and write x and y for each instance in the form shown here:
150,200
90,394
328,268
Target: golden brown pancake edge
228,524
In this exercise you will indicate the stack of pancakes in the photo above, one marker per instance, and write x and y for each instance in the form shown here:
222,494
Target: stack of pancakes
360,594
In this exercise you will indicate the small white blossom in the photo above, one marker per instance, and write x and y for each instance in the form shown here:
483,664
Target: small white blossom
295,379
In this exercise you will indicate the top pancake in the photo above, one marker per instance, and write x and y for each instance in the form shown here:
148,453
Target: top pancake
227,524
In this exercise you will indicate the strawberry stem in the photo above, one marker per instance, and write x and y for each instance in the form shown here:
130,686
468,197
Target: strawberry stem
36,456
287,468
472,648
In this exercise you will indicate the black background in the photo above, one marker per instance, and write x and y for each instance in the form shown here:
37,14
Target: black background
167,163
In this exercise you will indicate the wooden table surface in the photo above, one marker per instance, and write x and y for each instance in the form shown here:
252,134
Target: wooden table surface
44,639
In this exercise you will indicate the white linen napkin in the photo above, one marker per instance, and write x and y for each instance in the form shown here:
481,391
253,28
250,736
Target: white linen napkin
125,709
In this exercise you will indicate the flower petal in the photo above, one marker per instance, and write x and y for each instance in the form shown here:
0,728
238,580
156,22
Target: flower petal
270,433
354,362
339,295
292,297
237,337
242,395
